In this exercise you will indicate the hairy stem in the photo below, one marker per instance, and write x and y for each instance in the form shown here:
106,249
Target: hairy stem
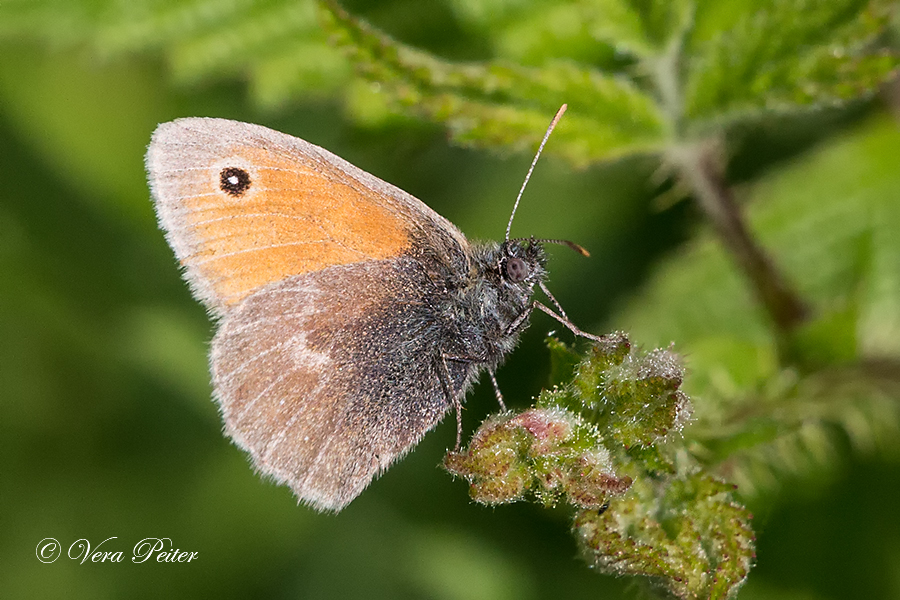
700,168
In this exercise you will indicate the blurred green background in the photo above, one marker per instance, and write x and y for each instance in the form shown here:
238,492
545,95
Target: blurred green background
107,427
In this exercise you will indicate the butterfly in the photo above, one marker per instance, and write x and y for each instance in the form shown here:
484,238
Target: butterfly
351,316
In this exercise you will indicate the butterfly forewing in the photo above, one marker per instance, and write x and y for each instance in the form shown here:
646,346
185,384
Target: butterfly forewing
244,206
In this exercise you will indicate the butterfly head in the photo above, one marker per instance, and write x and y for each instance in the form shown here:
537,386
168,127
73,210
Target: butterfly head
522,263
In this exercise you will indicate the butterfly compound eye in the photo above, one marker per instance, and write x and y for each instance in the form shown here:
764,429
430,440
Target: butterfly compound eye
234,181
516,270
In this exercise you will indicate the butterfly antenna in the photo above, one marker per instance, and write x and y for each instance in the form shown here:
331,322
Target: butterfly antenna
553,123
576,247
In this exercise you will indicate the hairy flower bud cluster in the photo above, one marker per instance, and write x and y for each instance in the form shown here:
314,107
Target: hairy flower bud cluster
549,452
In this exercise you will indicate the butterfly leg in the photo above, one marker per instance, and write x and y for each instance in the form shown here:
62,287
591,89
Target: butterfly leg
520,320
566,322
561,317
497,390
553,299
447,384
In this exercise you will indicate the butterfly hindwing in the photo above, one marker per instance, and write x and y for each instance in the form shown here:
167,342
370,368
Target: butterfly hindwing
328,377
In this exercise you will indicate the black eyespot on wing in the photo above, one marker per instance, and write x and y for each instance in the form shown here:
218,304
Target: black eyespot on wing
516,269
234,181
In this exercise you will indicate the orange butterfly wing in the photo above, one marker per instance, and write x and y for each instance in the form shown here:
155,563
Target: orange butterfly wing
328,361
244,206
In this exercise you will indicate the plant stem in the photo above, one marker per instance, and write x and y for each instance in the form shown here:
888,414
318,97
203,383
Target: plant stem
700,168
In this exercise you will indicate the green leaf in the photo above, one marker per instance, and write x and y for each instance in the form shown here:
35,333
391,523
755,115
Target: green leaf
666,20
503,104
836,240
563,361
599,442
783,55
688,535
620,25
277,45
550,31
57,23
487,13
636,75
130,26
243,36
